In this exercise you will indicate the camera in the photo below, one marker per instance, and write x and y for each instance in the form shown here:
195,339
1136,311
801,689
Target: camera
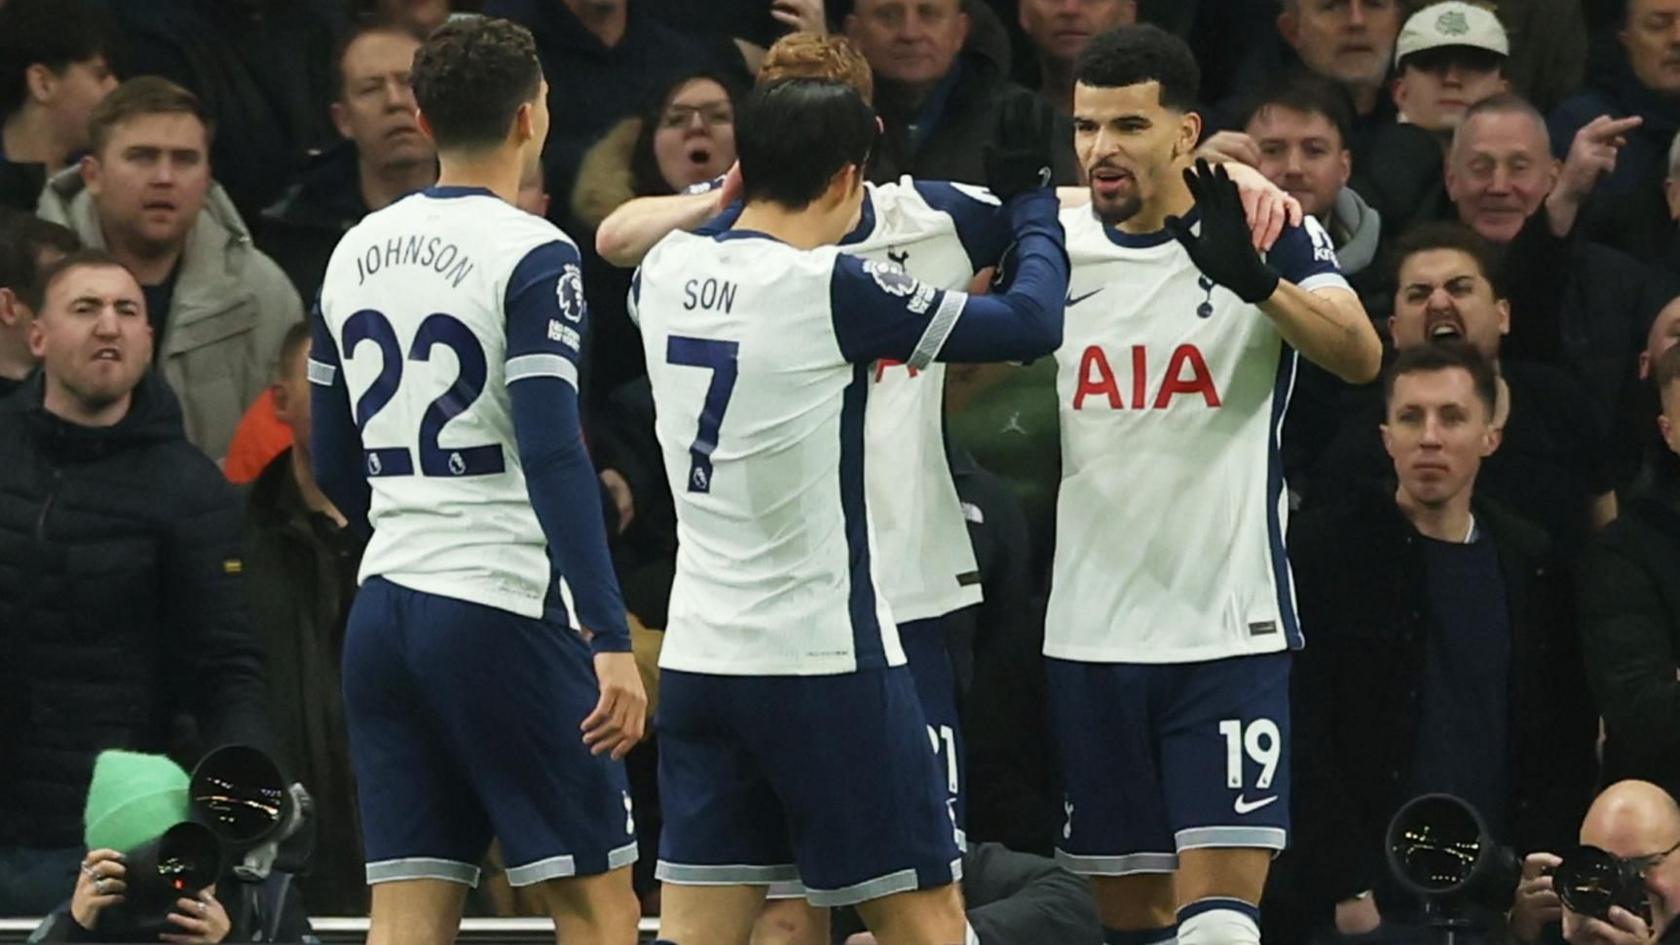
185,859
1591,881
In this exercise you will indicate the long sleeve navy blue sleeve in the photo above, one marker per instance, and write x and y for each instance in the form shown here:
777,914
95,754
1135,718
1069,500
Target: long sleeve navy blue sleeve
880,311
335,442
545,324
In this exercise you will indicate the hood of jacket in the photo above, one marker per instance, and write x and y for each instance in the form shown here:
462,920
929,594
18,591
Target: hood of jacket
1355,229
211,275
604,179
154,416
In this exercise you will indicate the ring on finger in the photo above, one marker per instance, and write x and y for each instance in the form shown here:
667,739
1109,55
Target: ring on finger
203,907
99,885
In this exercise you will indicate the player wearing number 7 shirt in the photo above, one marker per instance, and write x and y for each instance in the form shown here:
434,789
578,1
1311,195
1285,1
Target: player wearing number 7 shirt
488,685
1171,608
792,745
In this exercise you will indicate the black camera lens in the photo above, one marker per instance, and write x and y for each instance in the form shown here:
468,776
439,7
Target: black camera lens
239,793
1437,845
1590,881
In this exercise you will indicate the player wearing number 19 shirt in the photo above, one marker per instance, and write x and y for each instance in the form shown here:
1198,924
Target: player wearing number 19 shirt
445,369
791,741
1171,614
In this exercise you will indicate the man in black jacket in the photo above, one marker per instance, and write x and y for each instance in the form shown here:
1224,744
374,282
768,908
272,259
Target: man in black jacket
938,93
1630,612
301,565
1441,657
122,610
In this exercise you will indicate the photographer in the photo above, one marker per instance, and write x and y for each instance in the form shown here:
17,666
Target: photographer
1638,823
132,800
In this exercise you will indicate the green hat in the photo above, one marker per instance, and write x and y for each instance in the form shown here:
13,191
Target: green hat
133,799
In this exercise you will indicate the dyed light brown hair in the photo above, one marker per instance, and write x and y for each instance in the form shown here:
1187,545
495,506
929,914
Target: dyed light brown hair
809,56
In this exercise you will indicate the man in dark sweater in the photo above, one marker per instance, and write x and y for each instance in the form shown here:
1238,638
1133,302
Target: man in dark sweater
123,618
1441,657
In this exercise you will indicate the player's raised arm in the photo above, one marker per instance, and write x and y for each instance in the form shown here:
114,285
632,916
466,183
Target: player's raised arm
627,233
882,312
1297,285
545,326
335,443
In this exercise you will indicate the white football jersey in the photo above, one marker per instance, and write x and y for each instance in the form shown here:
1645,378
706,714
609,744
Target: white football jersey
418,303
1172,509
941,234
761,359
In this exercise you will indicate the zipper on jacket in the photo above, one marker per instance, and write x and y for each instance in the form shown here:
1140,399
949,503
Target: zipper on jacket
46,507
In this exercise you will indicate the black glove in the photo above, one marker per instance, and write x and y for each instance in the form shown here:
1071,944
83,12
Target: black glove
1018,158
1223,251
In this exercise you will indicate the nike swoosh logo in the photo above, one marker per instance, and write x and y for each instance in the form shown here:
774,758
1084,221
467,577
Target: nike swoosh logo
1073,300
1245,806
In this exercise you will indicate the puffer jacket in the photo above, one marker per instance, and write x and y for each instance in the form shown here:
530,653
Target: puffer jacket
122,607
231,308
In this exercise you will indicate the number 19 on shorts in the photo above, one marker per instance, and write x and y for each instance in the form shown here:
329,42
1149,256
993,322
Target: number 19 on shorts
1263,744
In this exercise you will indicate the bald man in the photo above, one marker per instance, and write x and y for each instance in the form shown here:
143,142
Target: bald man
1633,820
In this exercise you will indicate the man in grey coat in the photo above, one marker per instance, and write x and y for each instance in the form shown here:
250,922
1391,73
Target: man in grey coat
219,307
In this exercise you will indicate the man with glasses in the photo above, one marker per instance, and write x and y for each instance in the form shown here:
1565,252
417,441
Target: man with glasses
1639,823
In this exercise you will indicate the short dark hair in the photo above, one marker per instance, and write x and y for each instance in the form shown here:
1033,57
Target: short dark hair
1309,94
1444,355
140,96
294,343
1132,55
792,136
366,26
1455,236
23,237
470,77
85,258
52,33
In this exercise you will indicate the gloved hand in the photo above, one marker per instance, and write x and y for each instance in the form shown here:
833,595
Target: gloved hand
1018,158
1223,250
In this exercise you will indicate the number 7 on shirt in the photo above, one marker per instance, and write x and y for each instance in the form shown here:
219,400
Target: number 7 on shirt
719,357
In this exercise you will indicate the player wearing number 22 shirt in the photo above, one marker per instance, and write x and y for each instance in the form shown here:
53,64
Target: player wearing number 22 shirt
452,322
792,744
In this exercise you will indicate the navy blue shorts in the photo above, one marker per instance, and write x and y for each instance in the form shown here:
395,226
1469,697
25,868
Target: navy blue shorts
464,724
827,780
1155,759
927,649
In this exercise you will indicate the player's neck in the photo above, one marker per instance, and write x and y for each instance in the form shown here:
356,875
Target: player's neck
805,228
1172,200
497,171
1447,521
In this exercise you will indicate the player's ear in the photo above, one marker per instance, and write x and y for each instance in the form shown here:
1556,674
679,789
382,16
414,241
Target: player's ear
1189,132
425,126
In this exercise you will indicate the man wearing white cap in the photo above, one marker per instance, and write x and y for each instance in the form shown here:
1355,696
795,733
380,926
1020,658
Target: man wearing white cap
1449,57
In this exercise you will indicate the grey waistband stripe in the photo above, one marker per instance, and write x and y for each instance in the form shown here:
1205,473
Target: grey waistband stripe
321,373
421,867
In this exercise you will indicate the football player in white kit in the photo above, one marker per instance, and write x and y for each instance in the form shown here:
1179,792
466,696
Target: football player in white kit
489,687
784,678
1171,614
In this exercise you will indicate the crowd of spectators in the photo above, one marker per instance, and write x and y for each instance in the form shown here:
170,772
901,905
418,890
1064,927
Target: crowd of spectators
1487,550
